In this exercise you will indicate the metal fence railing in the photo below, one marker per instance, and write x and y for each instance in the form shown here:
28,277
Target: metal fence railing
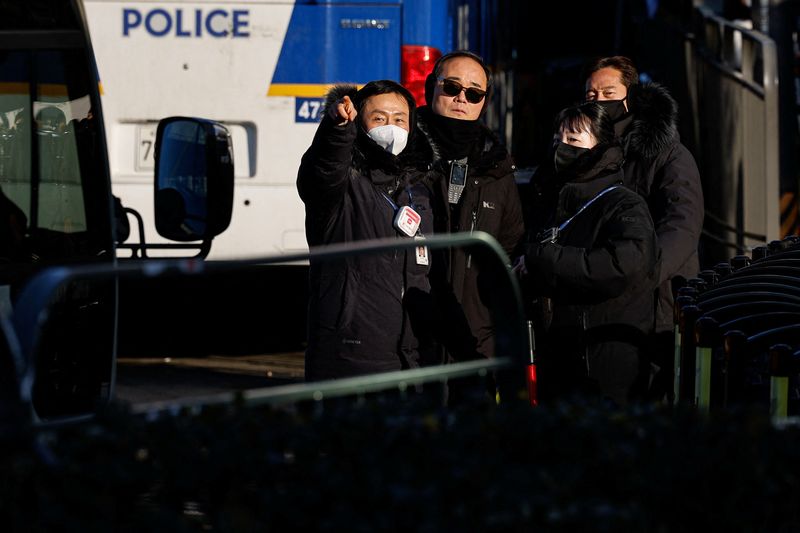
733,77
42,301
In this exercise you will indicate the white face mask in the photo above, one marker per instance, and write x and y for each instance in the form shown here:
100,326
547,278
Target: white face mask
390,137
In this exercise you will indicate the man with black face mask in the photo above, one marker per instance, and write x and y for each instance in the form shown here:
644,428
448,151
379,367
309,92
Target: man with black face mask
661,170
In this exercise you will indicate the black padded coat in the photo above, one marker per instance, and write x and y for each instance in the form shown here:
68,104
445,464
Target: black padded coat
664,172
601,275
490,203
361,307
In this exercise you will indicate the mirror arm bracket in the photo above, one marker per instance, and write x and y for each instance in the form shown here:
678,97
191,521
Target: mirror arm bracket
141,246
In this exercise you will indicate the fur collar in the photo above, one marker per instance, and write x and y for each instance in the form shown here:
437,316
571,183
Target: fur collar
654,124
336,93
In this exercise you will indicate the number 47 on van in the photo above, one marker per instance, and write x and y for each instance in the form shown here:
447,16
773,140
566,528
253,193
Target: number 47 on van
307,109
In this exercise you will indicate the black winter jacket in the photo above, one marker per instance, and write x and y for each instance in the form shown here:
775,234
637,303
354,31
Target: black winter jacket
490,203
663,171
602,270
358,322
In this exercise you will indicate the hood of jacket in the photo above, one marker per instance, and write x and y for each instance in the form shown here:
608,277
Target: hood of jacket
372,160
653,123
489,158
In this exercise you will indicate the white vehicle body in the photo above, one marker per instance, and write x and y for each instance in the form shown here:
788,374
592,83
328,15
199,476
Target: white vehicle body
145,78
220,60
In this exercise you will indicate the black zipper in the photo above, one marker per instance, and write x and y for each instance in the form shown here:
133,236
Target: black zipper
471,230
474,222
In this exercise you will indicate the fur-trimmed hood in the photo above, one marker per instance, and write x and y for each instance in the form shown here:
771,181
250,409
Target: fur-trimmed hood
336,93
654,123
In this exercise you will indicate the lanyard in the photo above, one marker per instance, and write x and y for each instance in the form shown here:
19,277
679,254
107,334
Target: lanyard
395,207
587,204
406,219
391,202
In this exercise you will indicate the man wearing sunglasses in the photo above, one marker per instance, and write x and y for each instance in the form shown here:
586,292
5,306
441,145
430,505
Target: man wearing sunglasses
476,192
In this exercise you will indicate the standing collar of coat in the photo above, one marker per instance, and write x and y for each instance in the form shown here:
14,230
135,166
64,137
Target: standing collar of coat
653,124
605,171
574,195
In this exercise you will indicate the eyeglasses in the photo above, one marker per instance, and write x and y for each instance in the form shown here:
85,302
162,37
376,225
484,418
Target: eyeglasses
453,88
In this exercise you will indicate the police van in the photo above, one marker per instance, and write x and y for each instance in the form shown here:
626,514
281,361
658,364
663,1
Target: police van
261,67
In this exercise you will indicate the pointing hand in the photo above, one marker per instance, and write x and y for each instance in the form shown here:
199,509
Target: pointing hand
343,111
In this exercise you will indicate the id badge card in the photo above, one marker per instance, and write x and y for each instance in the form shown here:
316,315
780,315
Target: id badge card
421,251
406,221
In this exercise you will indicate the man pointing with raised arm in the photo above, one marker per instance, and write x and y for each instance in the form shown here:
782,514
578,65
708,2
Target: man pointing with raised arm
365,177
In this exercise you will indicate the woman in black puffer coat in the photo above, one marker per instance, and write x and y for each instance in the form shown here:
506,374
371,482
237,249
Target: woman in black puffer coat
599,274
364,311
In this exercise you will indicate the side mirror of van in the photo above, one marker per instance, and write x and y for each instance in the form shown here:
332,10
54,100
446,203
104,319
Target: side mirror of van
193,179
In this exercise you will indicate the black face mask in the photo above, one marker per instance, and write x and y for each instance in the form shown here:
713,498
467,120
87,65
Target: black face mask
566,155
614,108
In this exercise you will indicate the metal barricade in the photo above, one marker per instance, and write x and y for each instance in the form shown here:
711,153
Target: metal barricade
738,337
29,332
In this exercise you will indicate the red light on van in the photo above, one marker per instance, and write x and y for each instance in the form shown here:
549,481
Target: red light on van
416,62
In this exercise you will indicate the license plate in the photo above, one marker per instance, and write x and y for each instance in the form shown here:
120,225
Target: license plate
145,146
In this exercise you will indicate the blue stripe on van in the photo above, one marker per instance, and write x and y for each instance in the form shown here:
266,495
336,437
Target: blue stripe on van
333,43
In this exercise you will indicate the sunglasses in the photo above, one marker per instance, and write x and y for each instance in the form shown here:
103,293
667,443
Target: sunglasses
453,88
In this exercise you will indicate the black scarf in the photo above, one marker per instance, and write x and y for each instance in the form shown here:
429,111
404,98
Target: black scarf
456,138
